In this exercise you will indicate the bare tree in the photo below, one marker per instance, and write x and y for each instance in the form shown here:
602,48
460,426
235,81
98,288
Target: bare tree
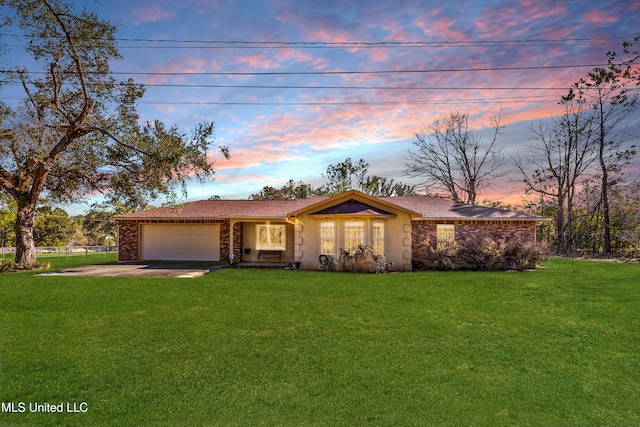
606,91
453,159
555,165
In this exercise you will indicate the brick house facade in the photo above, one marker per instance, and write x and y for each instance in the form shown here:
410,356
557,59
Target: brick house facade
399,226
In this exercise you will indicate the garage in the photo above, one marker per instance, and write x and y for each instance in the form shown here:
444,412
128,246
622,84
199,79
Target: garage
180,242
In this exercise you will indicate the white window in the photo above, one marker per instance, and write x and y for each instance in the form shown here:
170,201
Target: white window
378,238
446,233
271,237
353,235
328,238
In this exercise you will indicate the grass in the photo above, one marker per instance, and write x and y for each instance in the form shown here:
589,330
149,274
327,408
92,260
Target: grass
559,346
63,260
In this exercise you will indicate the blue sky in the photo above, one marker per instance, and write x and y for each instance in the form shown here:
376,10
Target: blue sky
265,73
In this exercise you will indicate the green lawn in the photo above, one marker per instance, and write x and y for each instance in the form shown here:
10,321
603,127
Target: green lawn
66,260
559,346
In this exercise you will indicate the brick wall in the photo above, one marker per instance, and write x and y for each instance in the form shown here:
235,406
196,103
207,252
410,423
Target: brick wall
128,240
237,241
224,239
423,231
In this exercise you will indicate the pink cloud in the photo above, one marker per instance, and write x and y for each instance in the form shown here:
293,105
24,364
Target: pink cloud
534,10
441,28
186,64
280,59
254,156
151,13
600,16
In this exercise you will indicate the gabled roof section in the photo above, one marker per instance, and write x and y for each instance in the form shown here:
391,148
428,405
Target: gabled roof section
353,207
357,196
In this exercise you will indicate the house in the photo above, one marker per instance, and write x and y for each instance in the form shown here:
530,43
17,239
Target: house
286,230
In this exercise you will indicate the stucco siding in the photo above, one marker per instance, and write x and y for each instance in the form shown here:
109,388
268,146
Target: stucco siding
397,239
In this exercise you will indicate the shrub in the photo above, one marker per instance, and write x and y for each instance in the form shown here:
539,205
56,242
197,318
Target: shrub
521,255
439,258
479,253
12,267
362,260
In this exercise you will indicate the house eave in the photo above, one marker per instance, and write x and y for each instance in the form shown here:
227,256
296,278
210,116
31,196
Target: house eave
200,218
483,219
353,215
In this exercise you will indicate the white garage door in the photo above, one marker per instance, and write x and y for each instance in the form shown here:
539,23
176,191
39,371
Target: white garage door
180,242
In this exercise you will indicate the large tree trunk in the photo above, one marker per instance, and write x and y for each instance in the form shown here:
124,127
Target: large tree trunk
25,246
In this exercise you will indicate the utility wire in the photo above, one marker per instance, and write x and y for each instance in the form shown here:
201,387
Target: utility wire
339,103
407,88
275,44
331,73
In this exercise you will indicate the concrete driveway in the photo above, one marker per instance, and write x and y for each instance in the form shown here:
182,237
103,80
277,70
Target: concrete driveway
177,269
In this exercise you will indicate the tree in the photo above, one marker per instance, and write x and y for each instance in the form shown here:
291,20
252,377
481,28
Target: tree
290,191
564,152
344,176
380,186
454,160
77,130
348,175
606,91
97,226
52,227
625,219
7,220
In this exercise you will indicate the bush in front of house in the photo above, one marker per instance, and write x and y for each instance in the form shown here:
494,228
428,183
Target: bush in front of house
437,258
522,255
360,260
480,253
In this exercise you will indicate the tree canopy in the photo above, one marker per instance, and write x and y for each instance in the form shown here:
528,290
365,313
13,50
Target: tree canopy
76,130
338,178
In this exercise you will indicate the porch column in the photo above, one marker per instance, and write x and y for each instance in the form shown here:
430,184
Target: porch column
297,254
232,222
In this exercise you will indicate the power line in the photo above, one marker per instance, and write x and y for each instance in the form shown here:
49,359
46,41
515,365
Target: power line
331,87
517,99
276,44
198,86
331,73
339,103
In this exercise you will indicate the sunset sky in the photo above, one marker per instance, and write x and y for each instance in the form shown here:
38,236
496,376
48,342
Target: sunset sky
296,85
